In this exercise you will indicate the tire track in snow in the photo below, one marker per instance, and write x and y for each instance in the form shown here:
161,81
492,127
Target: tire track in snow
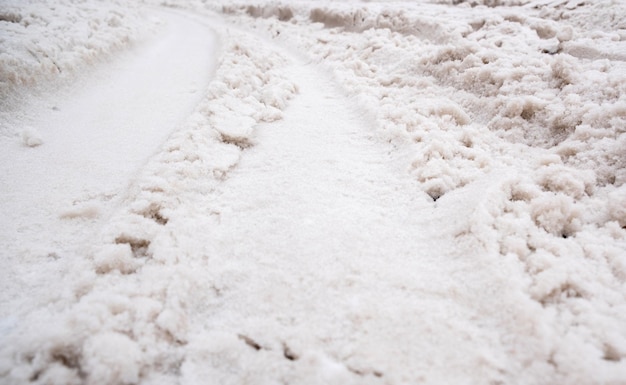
95,135
306,255
328,263
120,315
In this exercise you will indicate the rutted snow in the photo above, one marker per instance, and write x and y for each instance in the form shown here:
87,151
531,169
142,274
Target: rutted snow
136,279
493,107
67,162
460,220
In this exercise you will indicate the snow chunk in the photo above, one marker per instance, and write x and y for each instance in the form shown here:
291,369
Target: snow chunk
31,137
558,178
117,256
557,214
111,357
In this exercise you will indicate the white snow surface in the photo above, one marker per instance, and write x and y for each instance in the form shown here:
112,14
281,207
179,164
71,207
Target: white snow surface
218,192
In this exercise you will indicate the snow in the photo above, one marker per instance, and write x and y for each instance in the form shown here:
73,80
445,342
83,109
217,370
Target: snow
77,152
333,193
49,39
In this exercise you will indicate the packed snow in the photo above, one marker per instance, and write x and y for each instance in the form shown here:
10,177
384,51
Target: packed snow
313,192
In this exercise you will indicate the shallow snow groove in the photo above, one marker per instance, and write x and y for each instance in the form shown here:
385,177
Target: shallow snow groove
96,134
327,265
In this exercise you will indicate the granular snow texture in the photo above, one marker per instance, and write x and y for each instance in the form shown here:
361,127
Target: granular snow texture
366,193
46,39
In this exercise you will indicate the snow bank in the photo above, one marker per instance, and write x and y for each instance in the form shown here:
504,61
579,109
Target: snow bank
123,315
520,113
45,39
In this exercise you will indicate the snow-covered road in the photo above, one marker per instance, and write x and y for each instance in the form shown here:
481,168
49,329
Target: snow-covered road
269,192
72,154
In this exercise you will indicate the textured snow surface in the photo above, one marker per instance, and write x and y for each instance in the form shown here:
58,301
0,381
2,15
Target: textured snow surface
51,38
364,193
